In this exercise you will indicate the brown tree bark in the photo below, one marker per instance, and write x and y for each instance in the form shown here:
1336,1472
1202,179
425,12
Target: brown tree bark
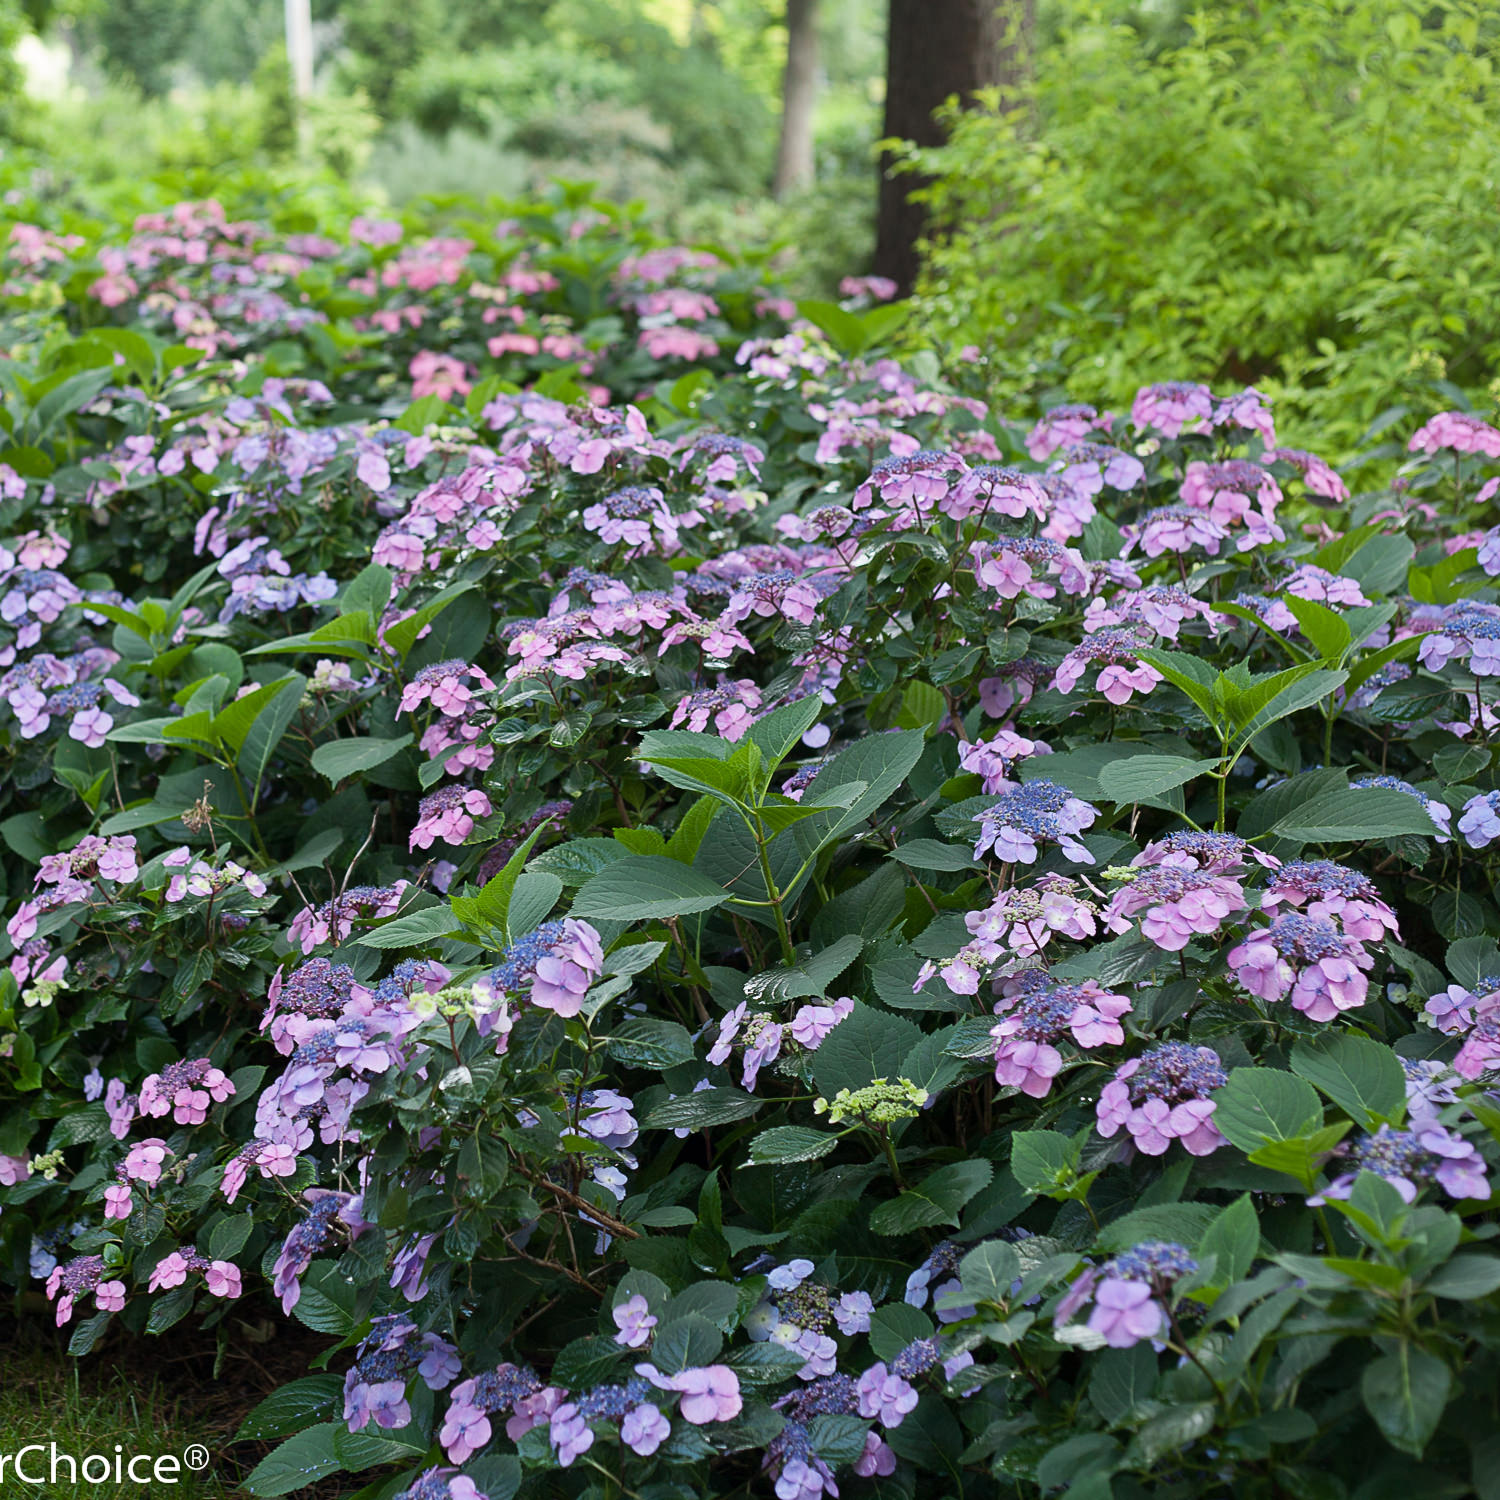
799,95
937,49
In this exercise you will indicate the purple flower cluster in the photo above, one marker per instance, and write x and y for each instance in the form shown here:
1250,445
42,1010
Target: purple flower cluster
1178,904
1038,812
507,1389
1411,1159
1038,1012
1131,1294
799,1313
1116,653
1322,888
448,814
79,1278
1028,565
328,1214
554,965
1307,956
1164,1096
375,1384
336,920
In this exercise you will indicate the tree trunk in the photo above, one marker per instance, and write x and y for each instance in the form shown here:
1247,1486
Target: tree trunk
937,49
799,93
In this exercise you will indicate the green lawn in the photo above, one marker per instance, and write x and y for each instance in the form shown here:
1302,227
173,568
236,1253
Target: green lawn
149,1396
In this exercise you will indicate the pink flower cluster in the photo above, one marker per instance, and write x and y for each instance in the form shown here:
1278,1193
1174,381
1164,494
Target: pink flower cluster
1162,1096
1178,904
1037,1012
448,814
1310,958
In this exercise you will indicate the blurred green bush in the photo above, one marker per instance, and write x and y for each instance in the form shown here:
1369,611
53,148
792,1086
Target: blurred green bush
1300,195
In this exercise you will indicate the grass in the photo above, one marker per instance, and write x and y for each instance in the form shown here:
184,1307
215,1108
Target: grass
45,1399
149,1396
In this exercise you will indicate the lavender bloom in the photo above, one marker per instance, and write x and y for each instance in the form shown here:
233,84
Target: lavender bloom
1480,820
1038,1012
1468,632
1309,957
555,964
1439,812
442,1484
1091,466
507,1388
1331,890
914,478
635,1321
1165,1095
1178,904
1024,565
1116,652
1130,1293
1411,1159
375,1385
1172,407
1041,811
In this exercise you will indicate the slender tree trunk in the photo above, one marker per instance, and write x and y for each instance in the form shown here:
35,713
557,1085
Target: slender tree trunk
937,49
699,33
799,94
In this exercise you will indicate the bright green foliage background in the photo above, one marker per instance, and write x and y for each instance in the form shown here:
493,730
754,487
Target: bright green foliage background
1298,195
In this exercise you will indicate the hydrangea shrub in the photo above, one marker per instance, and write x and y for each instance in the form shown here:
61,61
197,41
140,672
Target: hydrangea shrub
777,934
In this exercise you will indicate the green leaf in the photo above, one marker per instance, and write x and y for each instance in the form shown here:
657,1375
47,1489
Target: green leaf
867,1044
533,897
1363,1077
1326,629
989,1272
492,904
688,837
881,761
789,1143
1075,1459
1280,695
937,1199
1351,814
1121,1381
837,1439
1465,1278
298,1463
1233,1239
263,736
1406,1394
1039,1159
235,722
402,636
1143,778
843,330
1174,1430
811,976
645,886
291,1409
644,1042
415,929
1183,1223
934,854
778,733
706,1107
368,592
1189,673
922,706
229,1236
1260,1105
340,758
